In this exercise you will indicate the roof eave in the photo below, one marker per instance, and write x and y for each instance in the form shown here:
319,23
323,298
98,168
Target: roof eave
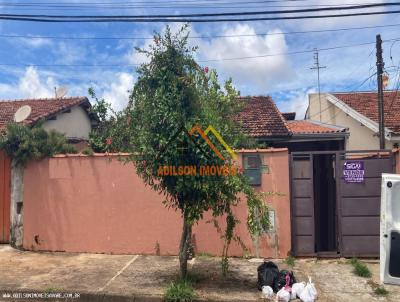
370,124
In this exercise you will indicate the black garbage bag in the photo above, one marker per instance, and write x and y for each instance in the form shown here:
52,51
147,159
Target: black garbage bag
280,281
268,274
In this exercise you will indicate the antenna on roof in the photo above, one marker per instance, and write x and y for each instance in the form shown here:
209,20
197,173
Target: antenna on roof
22,113
60,92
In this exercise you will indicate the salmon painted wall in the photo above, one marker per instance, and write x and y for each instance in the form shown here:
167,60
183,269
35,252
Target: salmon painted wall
5,197
97,204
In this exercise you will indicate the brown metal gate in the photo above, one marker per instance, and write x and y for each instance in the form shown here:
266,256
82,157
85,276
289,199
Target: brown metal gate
5,175
302,204
357,204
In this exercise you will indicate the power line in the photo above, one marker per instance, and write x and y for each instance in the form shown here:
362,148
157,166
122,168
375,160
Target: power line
293,11
200,37
100,19
200,61
169,5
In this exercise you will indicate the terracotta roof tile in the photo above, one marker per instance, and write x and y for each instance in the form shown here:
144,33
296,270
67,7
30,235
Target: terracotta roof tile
41,108
311,127
366,103
261,118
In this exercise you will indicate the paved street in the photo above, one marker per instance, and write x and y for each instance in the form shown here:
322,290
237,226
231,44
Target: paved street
100,277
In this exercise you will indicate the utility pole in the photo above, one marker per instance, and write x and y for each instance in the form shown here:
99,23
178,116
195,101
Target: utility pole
317,67
379,65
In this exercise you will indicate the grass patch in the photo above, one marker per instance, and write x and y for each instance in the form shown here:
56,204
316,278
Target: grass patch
290,260
195,277
203,255
180,290
360,269
381,291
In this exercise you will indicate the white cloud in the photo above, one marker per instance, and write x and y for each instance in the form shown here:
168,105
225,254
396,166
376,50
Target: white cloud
31,86
266,72
297,102
118,92
36,42
342,21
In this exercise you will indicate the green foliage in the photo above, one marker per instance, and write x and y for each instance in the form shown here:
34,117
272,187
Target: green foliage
360,269
172,94
290,260
23,143
381,291
88,151
109,135
203,255
180,290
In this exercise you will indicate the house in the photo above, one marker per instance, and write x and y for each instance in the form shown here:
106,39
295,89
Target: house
70,115
358,111
262,120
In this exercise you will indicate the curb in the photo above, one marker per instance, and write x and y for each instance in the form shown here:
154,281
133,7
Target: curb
84,297
97,297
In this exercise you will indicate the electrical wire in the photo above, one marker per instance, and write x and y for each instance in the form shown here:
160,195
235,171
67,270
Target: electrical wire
185,20
201,37
169,5
229,14
203,61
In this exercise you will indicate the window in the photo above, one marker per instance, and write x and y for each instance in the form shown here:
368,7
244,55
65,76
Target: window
252,168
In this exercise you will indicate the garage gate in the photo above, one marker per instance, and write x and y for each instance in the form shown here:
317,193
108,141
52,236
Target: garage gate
335,202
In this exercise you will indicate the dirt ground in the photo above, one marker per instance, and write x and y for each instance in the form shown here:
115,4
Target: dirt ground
144,278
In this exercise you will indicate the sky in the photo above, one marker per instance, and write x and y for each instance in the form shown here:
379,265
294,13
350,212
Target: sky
285,76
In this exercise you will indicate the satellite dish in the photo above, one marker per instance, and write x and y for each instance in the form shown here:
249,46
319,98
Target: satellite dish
61,92
22,113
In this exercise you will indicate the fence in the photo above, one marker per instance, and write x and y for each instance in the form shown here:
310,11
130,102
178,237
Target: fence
98,204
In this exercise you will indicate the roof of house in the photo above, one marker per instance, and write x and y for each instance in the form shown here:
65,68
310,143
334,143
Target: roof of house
312,127
289,116
366,103
261,118
41,108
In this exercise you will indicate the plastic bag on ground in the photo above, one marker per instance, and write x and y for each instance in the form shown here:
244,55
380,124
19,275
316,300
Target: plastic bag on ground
297,289
268,273
267,292
309,294
283,295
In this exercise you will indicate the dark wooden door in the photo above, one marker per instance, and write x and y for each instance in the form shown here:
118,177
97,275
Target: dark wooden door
302,205
5,175
359,205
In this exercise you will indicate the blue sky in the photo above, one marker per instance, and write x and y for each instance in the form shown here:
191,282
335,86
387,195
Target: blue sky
287,78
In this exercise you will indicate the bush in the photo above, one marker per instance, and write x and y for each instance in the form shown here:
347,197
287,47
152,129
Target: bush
23,143
290,260
180,290
360,269
88,151
381,291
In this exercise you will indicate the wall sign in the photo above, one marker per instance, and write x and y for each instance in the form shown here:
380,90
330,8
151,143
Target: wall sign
353,171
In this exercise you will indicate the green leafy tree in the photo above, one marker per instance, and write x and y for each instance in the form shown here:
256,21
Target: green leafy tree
173,94
109,134
23,143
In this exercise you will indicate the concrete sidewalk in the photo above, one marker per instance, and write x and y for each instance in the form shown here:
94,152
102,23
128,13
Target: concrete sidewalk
99,277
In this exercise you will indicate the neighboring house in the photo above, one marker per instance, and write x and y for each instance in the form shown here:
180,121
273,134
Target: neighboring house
68,115
358,112
262,120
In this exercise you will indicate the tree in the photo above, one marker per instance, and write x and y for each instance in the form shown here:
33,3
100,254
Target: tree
172,94
23,143
108,135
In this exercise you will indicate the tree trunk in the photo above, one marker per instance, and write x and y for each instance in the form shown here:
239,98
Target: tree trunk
184,247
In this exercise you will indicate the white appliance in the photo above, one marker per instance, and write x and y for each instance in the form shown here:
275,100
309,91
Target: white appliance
390,229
